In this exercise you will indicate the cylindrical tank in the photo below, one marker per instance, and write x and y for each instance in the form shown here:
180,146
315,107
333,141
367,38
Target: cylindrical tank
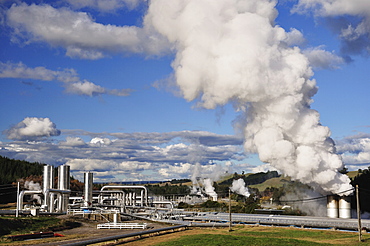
63,184
345,207
88,179
48,178
63,177
47,184
332,206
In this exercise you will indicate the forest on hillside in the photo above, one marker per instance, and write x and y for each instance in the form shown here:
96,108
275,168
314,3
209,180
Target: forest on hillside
12,170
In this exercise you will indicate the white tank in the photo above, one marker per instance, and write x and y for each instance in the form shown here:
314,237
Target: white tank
345,207
332,206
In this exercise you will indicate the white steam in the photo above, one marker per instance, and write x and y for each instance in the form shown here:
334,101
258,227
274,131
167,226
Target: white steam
231,51
30,185
203,179
239,187
305,200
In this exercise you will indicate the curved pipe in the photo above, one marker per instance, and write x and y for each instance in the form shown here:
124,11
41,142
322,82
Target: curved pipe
59,192
26,192
129,187
102,192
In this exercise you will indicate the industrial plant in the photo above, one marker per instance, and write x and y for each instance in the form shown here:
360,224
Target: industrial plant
114,201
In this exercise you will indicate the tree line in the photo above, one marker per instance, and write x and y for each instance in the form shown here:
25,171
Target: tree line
11,170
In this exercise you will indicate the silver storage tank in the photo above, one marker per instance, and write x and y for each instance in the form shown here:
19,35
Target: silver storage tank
345,207
332,206
64,184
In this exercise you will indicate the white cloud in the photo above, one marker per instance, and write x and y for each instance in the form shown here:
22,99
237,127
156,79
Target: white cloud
79,34
72,141
355,34
134,165
32,128
177,170
322,59
333,7
68,77
100,141
355,150
91,164
139,156
20,70
105,5
263,168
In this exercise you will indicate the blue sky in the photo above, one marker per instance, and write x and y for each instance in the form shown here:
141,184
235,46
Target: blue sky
107,86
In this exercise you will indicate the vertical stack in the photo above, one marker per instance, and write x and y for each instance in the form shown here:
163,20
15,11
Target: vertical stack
88,180
63,185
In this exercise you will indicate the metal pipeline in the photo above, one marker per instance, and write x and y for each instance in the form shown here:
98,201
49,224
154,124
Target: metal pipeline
26,192
129,187
112,238
60,193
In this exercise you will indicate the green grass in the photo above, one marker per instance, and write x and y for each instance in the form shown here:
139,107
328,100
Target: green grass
263,236
233,240
301,234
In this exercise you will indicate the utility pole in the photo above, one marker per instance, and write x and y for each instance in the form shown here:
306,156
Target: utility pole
16,210
358,214
230,210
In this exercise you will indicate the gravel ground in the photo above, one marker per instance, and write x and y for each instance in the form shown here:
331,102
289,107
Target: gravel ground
87,231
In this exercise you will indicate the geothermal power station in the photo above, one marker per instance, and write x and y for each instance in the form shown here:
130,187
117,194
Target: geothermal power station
114,201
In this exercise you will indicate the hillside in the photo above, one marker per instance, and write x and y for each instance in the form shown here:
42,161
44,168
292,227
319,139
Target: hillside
277,182
12,170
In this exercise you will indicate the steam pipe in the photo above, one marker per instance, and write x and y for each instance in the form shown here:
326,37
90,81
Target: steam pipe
25,192
60,193
128,187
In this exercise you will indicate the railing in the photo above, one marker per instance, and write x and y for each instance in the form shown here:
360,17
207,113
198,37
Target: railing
85,211
122,226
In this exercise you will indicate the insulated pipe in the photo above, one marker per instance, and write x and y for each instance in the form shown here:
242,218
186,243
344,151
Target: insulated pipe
128,187
60,193
142,196
101,195
25,192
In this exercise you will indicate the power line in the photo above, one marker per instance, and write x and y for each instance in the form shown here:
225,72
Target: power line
315,198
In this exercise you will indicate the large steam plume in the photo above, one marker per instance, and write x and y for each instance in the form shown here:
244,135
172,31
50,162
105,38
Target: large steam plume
231,51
